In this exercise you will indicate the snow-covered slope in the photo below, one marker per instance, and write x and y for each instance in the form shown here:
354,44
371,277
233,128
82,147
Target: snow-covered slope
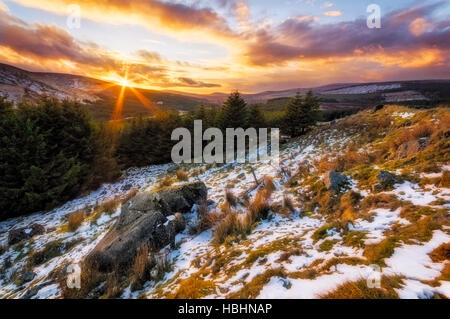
19,85
302,254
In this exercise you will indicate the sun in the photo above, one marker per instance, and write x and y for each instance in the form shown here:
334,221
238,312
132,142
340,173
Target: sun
124,82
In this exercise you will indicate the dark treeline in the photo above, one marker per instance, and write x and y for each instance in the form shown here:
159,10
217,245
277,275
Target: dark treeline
50,153
53,151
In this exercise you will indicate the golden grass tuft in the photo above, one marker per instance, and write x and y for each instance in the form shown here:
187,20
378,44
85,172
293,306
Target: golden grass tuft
288,203
182,176
206,219
75,220
165,182
110,206
441,254
376,253
140,270
229,226
445,179
259,207
193,287
360,290
269,185
230,198
386,201
252,289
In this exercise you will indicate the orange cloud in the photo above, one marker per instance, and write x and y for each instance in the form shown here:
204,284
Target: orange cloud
333,13
405,59
155,14
419,26
296,52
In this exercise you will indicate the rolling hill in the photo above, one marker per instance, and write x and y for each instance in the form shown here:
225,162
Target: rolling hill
100,97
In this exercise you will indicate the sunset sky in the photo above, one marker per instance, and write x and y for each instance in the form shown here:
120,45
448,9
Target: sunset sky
219,45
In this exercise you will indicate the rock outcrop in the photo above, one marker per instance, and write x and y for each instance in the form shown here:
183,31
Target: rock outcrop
412,147
385,181
335,181
152,219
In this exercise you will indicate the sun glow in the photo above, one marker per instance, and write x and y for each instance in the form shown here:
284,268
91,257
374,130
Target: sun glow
124,82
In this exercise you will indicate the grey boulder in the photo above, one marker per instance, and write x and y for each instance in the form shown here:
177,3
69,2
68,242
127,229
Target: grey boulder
335,181
151,219
385,181
412,147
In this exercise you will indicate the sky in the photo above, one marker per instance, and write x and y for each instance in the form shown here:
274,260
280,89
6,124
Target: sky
202,46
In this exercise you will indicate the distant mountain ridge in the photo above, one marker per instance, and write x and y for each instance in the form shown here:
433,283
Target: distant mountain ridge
19,85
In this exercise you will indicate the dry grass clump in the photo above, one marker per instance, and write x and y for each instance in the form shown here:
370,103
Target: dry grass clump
288,203
99,284
148,266
321,233
289,253
352,261
75,220
110,206
376,253
113,286
259,207
423,129
327,245
234,225
445,179
326,164
230,198
131,193
269,185
166,181
182,176
355,239
231,225
317,196
205,219
141,266
344,162
193,287
360,290
413,213
421,230
252,289
348,208
387,201
440,254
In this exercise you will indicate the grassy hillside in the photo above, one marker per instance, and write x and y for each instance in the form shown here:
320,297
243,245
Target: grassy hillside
293,236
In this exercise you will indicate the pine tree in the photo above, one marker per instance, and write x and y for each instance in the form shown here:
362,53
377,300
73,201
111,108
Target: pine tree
256,119
294,116
312,109
49,153
301,114
234,113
